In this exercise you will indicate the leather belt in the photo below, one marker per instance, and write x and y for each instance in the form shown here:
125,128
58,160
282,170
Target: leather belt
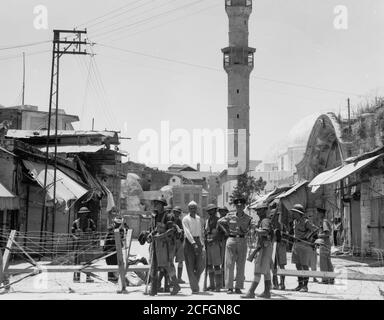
236,236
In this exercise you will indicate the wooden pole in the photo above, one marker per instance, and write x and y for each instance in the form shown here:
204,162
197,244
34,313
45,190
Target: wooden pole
128,242
120,261
5,258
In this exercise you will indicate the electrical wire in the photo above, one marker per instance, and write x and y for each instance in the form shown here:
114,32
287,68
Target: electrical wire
108,13
103,34
219,70
165,23
24,45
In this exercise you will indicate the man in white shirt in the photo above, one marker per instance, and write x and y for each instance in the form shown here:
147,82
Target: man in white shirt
193,246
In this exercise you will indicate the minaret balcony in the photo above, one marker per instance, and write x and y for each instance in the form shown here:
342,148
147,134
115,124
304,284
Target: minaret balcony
238,56
238,3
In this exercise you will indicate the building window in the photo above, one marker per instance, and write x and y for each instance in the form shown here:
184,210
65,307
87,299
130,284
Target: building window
196,197
226,59
173,180
237,116
186,198
226,197
177,199
250,59
238,91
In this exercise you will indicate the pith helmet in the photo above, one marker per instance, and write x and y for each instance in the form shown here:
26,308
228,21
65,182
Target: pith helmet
83,210
298,208
211,207
177,209
161,200
223,209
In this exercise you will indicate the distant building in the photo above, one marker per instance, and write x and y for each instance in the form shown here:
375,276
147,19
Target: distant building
28,117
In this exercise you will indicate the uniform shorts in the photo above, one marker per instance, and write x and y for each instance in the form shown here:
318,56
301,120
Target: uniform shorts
281,253
302,254
214,254
179,251
164,253
263,261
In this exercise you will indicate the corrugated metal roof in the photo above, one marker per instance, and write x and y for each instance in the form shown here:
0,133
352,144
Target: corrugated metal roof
74,149
13,133
341,172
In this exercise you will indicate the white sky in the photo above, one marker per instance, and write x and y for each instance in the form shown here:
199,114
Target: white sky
296,42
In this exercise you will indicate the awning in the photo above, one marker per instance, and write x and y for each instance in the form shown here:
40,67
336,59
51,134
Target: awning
66,188
296,194
8,201
341,172
269,197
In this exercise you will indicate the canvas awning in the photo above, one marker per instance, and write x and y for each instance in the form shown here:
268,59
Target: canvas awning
339,173
8,201
66,188
296,194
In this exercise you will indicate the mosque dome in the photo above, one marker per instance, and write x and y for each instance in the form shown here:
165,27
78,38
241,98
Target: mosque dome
297,137
299,134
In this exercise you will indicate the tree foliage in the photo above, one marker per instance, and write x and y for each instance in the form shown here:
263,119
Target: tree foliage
247,186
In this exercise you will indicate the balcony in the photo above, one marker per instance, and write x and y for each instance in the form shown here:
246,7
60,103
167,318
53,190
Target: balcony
238,3
238,56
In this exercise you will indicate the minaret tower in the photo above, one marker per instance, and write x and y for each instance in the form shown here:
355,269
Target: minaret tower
238,63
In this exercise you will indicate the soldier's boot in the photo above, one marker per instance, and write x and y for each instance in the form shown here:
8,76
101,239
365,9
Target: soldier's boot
282,282
300,284
305,285
180,273
167,287
267,290
211,281
76,277
175,286
159,279
154,286
251,292
275,282
218,282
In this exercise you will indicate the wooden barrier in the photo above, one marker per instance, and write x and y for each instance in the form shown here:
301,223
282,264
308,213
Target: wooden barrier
122,267
336,275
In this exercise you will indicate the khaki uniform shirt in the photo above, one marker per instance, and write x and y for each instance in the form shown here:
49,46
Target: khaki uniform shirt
236,225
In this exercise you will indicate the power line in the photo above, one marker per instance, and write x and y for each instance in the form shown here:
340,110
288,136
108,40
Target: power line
147,19
20,56
166,22
24,45
120,14
219,70
108,13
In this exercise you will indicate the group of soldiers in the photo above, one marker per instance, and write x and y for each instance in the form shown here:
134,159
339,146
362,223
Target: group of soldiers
220,244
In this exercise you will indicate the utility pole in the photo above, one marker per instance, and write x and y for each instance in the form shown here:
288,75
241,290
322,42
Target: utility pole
22,101
349,116
60,47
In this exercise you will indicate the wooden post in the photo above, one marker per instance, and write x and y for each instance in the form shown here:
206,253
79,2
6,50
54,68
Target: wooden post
128,242
120,261
5,258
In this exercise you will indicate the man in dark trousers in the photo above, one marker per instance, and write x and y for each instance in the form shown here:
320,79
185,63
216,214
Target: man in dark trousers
193,246
163,234
110,245
281,245
214,259
324,242
263,260
82,231
302,251
223,235
237,225
179,248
